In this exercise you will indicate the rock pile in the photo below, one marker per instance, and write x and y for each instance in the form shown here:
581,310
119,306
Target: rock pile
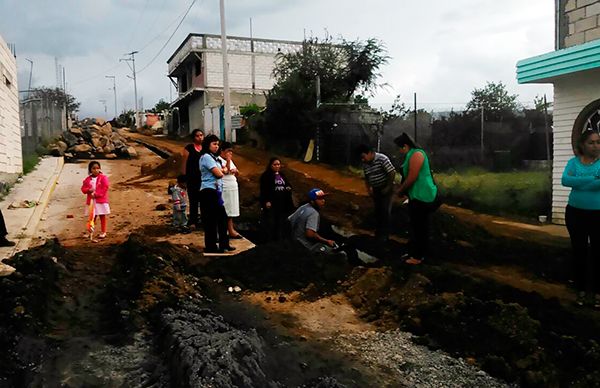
92,138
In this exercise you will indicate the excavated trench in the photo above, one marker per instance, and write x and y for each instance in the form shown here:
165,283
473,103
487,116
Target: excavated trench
147,314
156,315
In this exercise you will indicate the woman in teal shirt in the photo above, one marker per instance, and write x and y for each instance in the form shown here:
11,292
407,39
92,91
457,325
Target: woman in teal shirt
582,216
418,185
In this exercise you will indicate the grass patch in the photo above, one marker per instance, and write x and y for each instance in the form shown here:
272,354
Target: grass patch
522,193
30,162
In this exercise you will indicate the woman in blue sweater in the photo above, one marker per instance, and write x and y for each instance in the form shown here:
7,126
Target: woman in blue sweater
582,175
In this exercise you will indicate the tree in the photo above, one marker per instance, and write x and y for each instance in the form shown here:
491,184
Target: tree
57,96
160,106
539,104
495,100
345,68
398,110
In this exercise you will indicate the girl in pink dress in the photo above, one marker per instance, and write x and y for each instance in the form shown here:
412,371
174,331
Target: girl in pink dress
96,187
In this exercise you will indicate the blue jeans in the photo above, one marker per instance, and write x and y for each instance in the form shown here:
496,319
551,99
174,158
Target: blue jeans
179,218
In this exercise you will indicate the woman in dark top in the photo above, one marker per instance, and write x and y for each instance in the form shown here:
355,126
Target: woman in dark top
191,170
275,200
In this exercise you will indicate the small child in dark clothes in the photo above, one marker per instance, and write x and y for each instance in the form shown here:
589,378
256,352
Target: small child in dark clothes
179,197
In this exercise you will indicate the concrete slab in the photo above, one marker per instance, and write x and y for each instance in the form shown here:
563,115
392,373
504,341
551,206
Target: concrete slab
36,187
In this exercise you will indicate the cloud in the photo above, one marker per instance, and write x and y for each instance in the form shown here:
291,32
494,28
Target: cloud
439,49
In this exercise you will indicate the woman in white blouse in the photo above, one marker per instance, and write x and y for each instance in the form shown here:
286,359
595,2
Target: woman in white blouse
231,197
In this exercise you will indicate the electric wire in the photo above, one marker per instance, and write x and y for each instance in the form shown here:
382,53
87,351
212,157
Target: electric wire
170,37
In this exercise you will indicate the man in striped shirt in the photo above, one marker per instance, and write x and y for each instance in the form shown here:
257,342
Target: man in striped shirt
379,178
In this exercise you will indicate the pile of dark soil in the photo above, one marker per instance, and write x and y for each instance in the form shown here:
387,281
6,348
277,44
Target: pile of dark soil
173,288
279,266
515,335
26,296
170,168
147,277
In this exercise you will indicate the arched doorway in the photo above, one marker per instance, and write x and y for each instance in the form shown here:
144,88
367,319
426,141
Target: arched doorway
587,120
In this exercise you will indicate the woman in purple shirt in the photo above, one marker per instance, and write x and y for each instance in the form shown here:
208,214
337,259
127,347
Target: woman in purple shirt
275,201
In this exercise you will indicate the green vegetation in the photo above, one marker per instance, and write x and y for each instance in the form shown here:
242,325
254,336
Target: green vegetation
29,162
521,193
344,69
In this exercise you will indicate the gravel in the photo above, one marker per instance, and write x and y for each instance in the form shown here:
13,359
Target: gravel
413,365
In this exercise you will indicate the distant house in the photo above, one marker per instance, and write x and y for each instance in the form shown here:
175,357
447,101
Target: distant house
574,69
196,67
11,159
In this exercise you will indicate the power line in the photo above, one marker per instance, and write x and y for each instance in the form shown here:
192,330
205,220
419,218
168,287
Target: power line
170,37
101,74
135,28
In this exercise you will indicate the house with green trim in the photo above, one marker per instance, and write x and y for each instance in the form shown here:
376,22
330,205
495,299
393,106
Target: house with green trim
574,70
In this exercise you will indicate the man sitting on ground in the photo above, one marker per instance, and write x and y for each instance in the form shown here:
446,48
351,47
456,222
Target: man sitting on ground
305,224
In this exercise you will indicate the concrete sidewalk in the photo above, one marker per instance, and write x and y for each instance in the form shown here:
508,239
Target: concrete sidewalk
35,187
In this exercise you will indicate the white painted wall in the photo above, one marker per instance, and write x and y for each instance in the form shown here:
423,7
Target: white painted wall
572,94
11,159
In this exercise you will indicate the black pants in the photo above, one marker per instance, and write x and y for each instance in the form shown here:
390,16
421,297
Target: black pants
275,224
418,212
3,231
214,220
584,229
383,210
194,198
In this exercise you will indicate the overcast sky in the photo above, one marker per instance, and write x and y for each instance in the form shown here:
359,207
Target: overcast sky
439,49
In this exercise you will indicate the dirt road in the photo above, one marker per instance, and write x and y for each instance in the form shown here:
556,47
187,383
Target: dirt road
146,308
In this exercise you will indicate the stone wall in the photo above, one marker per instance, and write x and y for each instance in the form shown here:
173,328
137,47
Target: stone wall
11,159
578,22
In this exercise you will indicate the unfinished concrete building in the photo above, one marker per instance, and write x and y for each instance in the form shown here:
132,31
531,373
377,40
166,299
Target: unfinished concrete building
11,159
196,67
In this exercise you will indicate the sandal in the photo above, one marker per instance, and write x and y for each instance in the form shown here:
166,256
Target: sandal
413,261
102,236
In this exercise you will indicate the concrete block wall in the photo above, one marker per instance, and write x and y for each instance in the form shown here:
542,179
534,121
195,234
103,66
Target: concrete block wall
579,22
11,159
263,46
240,71
571,95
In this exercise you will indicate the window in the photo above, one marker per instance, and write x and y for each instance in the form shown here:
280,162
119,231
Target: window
197,67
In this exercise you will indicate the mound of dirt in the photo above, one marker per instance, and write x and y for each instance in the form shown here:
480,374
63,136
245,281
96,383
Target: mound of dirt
25,297
170,168
206,351
517,336
280,265
146,277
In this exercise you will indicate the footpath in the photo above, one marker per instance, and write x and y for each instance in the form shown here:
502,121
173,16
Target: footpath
24,205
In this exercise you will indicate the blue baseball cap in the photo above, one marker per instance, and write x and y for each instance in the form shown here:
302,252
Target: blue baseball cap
316,193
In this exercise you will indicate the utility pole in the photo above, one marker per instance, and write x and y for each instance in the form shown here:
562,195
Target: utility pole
415,117
229,134
318,134
547,132
132,60
30,74
64,79
114,89
482,123
103,102
253,61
